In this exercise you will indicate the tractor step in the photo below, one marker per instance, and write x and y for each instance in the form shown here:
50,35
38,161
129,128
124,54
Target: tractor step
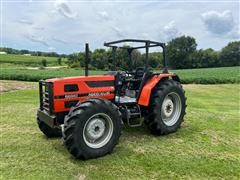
135,122
134,118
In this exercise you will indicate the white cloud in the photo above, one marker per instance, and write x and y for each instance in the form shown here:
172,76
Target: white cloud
36,39
119,33
59,40
51,48
169,32
235,33
220,23
60,22
39,28
25,21
63,8
104,15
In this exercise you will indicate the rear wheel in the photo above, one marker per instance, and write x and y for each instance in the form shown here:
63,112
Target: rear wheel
92,129
167,109
47,130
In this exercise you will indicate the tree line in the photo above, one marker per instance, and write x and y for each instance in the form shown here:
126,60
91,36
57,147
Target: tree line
182,53
33,53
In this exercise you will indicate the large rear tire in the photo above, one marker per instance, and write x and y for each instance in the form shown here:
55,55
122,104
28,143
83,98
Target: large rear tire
167,108
47,130
92,129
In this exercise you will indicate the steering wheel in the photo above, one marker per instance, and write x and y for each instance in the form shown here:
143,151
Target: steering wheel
139,72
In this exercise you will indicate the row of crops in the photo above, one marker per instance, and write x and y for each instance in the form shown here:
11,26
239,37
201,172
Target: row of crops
30,60
198,76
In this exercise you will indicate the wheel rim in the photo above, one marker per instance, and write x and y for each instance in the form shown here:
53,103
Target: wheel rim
171,109
98,130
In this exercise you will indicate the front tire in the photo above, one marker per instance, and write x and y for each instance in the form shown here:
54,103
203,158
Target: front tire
167,108
92,129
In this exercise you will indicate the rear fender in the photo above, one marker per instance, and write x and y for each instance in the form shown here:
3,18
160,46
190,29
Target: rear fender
149,86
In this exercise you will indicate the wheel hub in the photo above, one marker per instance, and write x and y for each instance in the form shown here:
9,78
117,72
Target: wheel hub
168,107
95,128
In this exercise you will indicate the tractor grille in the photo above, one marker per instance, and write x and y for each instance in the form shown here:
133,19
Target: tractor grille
46,96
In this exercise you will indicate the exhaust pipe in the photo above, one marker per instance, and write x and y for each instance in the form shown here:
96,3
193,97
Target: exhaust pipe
86,59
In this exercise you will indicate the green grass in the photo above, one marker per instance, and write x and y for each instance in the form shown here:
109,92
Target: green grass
29,60
206,147
198,76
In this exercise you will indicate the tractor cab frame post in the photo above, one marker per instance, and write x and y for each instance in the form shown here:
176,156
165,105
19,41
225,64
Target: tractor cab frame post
114,49
146,57
86,58
165,65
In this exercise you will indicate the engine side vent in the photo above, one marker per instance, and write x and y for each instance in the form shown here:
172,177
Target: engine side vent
71,88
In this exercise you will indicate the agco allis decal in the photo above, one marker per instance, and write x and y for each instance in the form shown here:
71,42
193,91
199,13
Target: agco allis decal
98,94
70,96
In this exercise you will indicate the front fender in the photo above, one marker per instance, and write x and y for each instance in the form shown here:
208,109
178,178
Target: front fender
151,83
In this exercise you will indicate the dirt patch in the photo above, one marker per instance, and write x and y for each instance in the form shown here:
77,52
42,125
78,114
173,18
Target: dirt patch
6,86
50,67
139,150
81,177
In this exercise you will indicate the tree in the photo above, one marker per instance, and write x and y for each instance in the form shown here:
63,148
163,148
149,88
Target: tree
230,54
73,60
99,59
204,58
24,51
59,61
44,62
137,59
81,58
155,60
122,59
179,51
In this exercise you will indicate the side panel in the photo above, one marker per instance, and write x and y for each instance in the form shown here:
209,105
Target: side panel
87,87
147,89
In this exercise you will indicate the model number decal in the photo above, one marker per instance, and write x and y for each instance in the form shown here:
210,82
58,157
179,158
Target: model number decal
98,94
69,96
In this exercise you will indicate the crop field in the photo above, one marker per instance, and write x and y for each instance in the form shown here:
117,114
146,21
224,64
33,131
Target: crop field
198,76
29,60
206,146
35,75
210,75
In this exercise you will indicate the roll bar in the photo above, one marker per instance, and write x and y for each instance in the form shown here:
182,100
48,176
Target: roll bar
147,44
115,44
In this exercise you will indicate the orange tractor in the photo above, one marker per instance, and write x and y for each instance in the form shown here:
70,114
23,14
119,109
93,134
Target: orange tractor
89,111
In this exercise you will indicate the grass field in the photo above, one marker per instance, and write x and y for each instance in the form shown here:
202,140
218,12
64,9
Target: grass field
29,60
198,76
207,145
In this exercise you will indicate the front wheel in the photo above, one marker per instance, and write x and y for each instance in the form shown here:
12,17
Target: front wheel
167,108
92,129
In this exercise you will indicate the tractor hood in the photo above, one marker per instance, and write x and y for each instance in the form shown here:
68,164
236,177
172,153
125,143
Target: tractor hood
75,79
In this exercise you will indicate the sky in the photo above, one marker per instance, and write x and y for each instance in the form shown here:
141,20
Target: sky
64,26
